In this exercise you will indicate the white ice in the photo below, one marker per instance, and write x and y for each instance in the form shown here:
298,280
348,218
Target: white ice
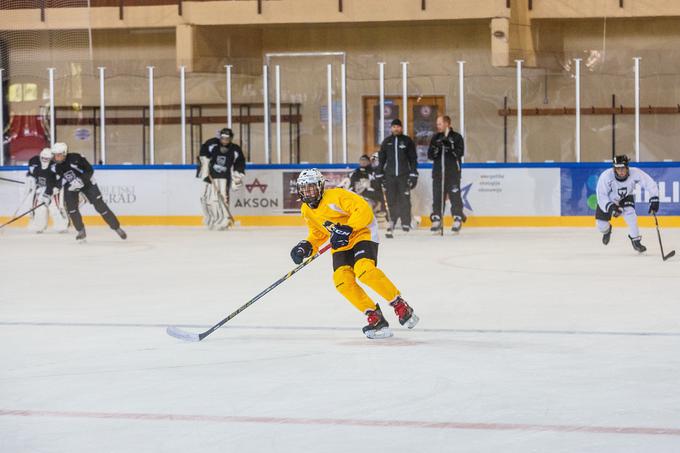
530,340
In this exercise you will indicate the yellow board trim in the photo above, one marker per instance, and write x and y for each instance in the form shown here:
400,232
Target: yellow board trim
293,220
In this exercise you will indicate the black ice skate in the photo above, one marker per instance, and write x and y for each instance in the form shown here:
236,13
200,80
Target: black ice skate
80,237
436,223
121,233
377,326
457,224
406,228
637,245
405,313
607,236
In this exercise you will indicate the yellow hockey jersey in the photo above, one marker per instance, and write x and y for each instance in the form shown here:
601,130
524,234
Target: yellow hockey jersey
346,208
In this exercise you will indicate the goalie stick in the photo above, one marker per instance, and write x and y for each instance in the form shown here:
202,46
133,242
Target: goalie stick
176,332
20,216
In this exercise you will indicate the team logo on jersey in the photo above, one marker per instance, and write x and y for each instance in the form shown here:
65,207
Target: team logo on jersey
70,176
221,160
623,191
330,226
256,184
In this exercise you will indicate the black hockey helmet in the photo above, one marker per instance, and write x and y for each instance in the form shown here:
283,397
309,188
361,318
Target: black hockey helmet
621,161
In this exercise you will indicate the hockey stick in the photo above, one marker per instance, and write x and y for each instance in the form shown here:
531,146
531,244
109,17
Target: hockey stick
389,234
443,204
11,180
176,332
658,233
25,213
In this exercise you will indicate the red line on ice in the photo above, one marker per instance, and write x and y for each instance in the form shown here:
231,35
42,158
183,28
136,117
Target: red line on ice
350,422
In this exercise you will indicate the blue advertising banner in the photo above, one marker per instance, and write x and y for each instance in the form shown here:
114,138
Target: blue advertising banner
578,185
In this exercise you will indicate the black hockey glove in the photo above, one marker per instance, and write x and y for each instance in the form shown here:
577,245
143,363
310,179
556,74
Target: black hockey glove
654,205
340,236
302,250
614,210
380,179
412,181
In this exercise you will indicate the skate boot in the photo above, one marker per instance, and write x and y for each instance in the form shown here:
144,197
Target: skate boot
121,233
637,245
436,223
405,313
80,237
406,228
377,326
457,224
607,236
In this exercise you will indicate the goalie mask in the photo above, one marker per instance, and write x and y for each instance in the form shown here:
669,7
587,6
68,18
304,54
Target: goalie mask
310,185
45,158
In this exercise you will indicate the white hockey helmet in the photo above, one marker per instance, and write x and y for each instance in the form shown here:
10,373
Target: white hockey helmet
45,158
59,148
310,185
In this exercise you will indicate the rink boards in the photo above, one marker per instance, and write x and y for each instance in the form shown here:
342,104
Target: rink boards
493,194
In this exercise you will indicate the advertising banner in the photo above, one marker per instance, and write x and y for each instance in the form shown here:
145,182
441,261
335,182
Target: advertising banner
579,183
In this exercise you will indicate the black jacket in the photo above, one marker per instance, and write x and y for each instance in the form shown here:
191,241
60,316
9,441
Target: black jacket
451,146
74,166
397,156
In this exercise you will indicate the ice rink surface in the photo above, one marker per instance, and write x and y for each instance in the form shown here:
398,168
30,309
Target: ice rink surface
530,340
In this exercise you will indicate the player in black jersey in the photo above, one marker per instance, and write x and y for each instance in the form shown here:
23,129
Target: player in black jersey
74,175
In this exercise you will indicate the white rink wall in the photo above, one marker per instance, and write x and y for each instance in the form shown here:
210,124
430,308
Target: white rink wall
493,194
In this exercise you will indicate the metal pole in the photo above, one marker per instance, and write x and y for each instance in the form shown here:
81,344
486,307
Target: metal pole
343,89
381,67
577,139
329,100
228,95
183,111
637,108
404,95
461,96
265,85
278,113
2,119
519,110
152,145
102,115
52,125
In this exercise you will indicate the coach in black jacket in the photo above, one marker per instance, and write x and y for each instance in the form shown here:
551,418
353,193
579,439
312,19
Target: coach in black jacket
398,173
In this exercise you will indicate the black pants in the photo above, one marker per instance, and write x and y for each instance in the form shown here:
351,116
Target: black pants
94,196
398,198
451,189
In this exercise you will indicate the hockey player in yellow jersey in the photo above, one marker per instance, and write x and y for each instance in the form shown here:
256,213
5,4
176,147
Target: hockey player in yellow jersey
348,221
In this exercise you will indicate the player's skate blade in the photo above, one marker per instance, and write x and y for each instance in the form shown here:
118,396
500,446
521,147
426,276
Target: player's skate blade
378,334
121,233
181,334
412,321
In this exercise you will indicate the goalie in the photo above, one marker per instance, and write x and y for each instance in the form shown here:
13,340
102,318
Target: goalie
41,184
222,165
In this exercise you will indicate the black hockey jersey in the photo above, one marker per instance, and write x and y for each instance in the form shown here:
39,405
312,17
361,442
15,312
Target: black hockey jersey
74,166
43,178
223,158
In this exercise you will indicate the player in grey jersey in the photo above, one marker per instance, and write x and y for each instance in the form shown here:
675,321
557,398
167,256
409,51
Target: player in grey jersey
616,196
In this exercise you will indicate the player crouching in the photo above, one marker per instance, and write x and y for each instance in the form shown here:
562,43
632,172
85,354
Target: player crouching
41,183
348,221
616,196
